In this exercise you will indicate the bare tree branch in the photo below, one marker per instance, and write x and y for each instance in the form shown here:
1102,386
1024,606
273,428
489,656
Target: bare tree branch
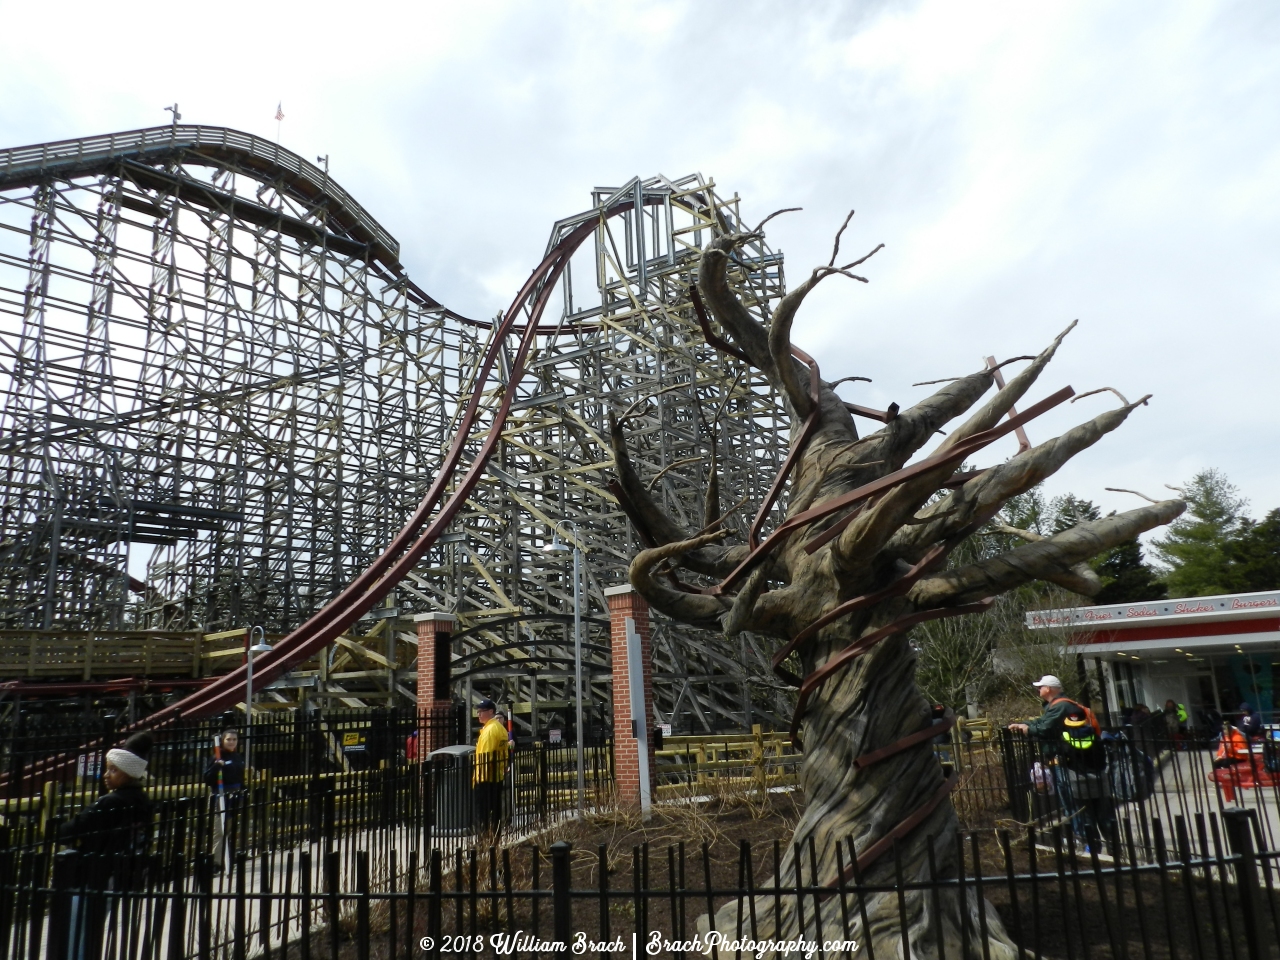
1011,393
835,247
669,467
1134,492
913,427
1090,393
790,370
740,614
1079,579
711,500
776,213
714,561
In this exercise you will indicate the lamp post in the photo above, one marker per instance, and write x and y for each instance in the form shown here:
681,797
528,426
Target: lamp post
555,546
259,635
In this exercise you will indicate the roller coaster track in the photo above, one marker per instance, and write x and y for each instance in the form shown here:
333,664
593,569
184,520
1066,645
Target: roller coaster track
490,399
413,540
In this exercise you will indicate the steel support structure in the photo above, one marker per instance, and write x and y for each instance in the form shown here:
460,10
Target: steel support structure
211,359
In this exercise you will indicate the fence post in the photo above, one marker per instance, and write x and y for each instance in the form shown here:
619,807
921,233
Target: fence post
1239,835
48,805
204,883
362,905
332,882
238,946
62,926
435,907
541,754
561,904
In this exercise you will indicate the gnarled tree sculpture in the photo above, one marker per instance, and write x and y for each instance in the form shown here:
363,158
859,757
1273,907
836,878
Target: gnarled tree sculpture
858,559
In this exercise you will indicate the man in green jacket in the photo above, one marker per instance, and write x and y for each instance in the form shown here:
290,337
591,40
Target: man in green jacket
1048,726
1069,742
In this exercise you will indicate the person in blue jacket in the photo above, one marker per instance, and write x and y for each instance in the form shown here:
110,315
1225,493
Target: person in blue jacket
225,778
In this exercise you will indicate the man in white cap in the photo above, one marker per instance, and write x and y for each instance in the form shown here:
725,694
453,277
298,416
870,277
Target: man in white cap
1055,708
1067,733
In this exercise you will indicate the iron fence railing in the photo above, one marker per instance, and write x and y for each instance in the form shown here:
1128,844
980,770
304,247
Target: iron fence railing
1148,775
1202,899
336,778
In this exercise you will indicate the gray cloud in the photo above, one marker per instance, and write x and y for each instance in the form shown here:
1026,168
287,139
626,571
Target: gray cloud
1024,166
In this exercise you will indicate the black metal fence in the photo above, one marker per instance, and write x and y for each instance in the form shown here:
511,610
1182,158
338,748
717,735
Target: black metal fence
38,749
327,854
1014,780
1211,894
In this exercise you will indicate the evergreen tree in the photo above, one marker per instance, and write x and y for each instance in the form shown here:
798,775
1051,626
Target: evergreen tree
1028,511
1196,546
1068,510
1254,555
1126,578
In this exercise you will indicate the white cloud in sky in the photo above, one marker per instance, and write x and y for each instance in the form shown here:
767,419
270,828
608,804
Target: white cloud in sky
1025,165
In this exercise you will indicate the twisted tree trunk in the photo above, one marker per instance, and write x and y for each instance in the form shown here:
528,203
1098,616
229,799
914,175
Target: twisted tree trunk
859,558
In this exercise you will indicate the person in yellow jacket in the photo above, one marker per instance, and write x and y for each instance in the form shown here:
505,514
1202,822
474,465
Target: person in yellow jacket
490,767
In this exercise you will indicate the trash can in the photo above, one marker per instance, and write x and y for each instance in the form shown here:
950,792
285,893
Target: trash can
451,782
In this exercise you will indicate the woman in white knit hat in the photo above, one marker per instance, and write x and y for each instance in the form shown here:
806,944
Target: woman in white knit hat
119,821
115,825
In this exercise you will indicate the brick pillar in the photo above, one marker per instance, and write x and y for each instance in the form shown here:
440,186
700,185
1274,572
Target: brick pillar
624,604
434,698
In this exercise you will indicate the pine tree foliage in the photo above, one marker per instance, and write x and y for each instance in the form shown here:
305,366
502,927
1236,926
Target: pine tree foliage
1126,577
1195,548
1253,556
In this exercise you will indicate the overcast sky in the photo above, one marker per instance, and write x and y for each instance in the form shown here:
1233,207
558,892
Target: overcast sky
1024,164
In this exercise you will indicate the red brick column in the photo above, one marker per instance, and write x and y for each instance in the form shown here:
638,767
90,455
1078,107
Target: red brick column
434,699
625,603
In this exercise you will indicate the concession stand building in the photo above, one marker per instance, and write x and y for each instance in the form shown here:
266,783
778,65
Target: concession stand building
1206,652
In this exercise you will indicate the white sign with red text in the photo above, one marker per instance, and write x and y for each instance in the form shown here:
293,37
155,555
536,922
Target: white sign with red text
1229,606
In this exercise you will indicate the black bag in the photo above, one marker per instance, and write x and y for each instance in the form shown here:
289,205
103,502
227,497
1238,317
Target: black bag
1130,772
1088,784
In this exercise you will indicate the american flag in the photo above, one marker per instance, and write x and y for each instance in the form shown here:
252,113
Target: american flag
279,111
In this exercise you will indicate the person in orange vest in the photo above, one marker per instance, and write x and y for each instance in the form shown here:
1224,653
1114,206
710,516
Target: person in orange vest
1233,762
1233,747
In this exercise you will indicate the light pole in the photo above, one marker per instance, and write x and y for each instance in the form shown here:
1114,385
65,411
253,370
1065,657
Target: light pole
555,546
261,646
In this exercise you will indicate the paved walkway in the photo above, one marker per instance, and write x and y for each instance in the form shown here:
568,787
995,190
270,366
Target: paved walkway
1184,788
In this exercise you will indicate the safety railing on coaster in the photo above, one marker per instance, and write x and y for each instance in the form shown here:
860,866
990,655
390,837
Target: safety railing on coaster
67,157
1201,899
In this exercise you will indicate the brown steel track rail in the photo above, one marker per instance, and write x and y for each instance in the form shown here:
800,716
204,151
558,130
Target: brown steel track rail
427,523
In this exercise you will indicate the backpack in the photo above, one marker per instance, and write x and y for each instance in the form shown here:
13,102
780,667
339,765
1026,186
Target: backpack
1093,720
1130,772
